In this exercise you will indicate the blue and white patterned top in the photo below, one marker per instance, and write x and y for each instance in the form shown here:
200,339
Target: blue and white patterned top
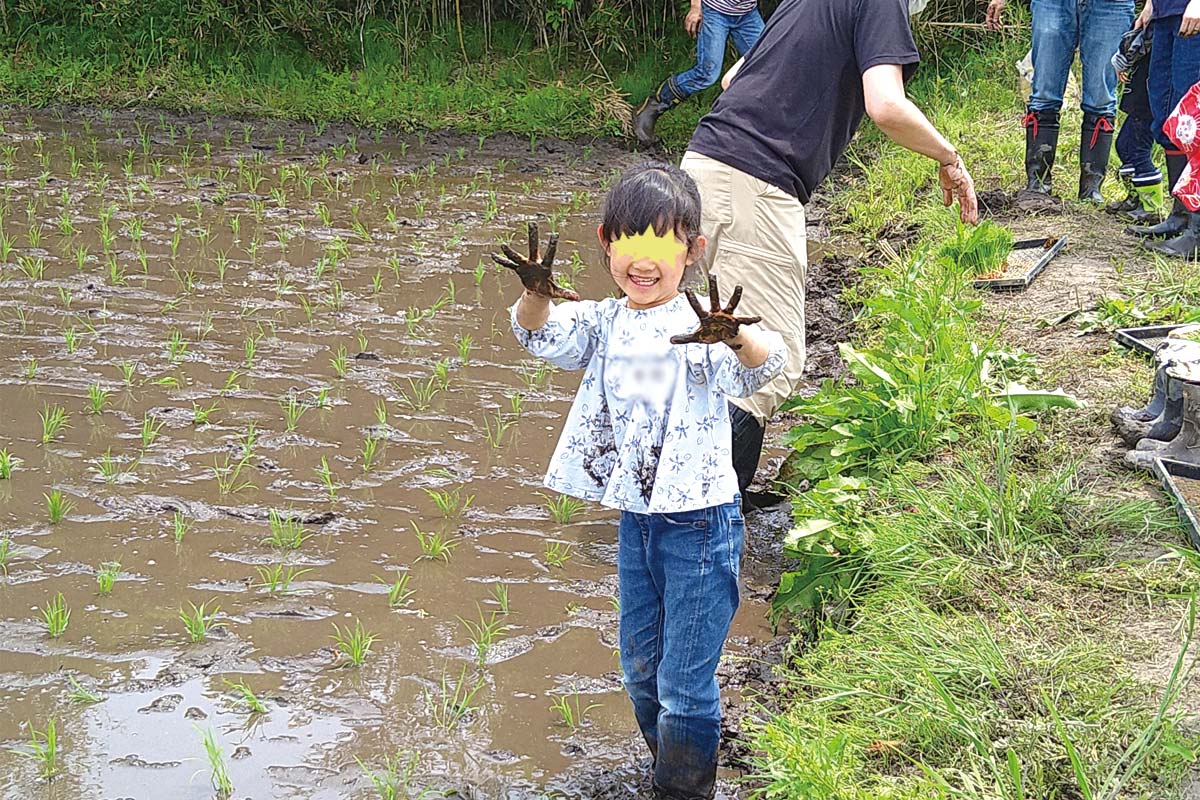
649,429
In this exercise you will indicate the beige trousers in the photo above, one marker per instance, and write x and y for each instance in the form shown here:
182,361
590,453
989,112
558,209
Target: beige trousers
756,239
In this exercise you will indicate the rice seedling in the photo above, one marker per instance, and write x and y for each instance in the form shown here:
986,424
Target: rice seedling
453,701
563,508
434,545
326,476
218,772
179,526
450,503
43,749
277,578
464,344
287,532
494,428
340,362
82,695
54,420
97,398
65,295
398,592
128,370
516,402
370,447
441,373
8,463
249,349
5,555
200,414
71,339
480,271
484,634
420,395
394,782
353,644
176,346
30,367
247,440
246,695
500,595
200,622
228,476
293,410
557,554
150,430
535,374
111,469
55,616
381,411
106,576
57,506
571,710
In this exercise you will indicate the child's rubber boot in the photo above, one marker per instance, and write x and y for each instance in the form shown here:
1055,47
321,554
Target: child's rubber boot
1150,203
1177,220
1131,201
664,98
1041,141
1095,143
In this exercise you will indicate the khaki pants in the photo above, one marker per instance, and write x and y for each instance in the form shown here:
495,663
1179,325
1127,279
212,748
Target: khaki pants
756,239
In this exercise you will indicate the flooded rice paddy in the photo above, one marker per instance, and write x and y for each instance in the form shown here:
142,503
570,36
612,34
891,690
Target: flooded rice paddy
292,410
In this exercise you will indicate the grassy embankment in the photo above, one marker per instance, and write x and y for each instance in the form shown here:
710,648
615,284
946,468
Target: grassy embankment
974,586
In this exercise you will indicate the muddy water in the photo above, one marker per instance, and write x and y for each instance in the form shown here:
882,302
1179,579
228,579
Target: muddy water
169,244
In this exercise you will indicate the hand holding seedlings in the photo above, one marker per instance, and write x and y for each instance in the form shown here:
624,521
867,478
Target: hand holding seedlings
717,324
536,272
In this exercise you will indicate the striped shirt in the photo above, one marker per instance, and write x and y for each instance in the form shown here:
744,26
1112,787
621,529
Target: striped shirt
734,8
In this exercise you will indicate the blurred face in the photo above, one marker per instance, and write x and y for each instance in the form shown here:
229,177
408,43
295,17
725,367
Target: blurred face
647,267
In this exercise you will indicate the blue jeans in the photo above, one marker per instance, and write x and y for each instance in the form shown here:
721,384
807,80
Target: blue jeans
715,27
679,589
1094,27
1174,67
1135,144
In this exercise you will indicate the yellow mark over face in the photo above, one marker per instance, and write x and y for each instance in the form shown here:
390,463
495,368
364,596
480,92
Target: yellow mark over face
648,244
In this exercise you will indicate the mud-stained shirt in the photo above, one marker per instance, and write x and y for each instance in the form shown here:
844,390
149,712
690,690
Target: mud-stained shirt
649,429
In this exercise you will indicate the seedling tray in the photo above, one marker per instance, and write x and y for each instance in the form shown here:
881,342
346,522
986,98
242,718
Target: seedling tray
1026,261
1182,481
1144,340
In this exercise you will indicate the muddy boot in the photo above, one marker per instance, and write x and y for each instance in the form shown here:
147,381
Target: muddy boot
1130,201
1185,245
1166,425
664,98
1177,220
1132,424
1185,446
1041,140
1095,143
1150,203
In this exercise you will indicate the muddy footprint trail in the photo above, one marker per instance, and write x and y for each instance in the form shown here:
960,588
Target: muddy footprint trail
261,402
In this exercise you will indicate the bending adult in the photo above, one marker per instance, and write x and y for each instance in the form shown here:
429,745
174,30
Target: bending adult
1174,67
1060,27
788,112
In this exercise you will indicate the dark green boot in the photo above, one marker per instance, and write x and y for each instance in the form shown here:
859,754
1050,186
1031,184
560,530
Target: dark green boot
666,97
1041,141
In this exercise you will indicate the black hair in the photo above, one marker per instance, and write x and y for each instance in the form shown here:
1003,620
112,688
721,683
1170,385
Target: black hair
652,194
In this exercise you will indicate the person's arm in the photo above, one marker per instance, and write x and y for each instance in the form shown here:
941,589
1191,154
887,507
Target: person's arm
750,347
991,20
691,23
896,115
1190,24
732,71
533,310
1143,19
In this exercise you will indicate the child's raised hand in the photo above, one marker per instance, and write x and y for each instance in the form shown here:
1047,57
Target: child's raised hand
718,324
535,272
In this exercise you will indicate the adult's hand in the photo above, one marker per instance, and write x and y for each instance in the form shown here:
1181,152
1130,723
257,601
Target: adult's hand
992,20
957,185
691,23
1143,19
1190,24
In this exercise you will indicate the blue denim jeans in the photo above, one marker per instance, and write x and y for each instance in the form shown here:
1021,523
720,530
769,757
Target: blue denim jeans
1094,27
1174,67
679,590
1135,146
715,27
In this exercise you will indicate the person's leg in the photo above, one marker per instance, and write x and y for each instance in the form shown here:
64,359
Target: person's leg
1165,33
1101,26
745,31
640,623
710,55
1185,71
1055,33
699,553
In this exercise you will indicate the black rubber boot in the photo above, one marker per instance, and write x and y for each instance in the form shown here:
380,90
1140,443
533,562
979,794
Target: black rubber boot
664,98
747,445
1095,143
1041,140
1177,220
1185,245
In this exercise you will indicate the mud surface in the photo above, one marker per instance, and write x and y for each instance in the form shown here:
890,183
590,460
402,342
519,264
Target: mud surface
215,277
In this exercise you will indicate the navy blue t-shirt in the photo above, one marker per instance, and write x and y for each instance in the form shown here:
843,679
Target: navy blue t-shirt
798,98
1169,8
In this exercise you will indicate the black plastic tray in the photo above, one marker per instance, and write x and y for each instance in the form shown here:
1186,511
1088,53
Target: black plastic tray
1144,340
1026,261
1170,472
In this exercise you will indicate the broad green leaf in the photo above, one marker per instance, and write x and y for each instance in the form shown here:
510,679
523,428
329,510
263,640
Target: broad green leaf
1022,399
861,365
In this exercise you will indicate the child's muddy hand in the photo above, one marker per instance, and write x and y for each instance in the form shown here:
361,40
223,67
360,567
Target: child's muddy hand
718,325
535,271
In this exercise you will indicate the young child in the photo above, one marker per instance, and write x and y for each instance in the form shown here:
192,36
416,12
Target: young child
1135,141
648,435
